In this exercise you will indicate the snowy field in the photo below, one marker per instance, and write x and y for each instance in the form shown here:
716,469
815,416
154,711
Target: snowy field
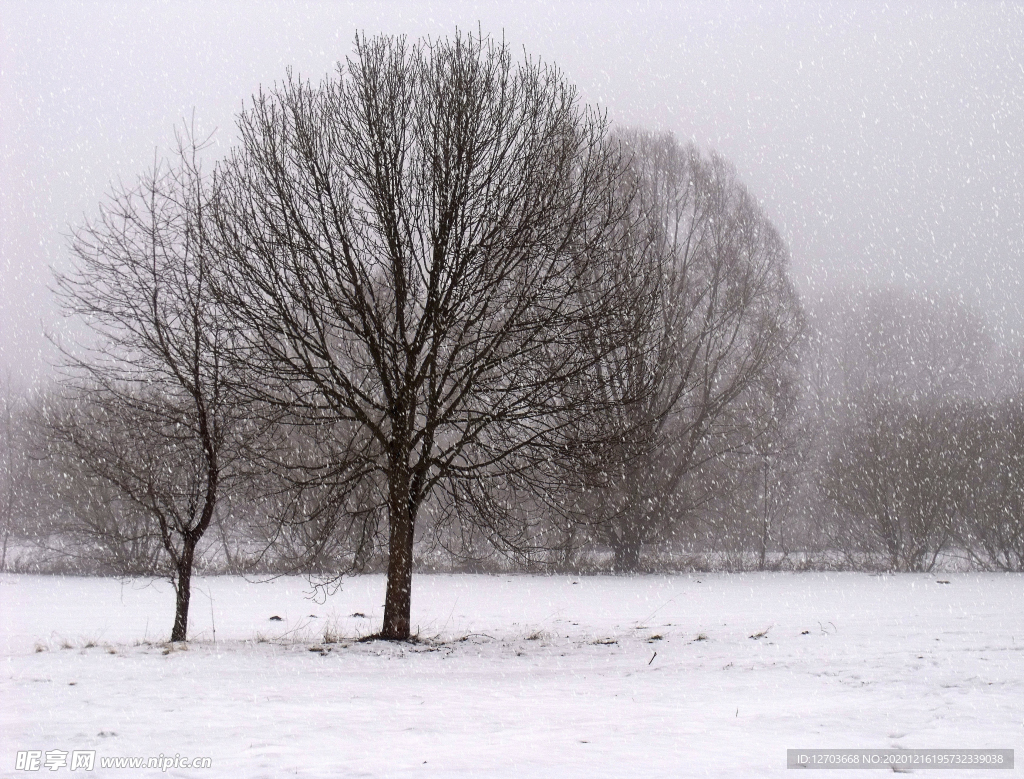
516,676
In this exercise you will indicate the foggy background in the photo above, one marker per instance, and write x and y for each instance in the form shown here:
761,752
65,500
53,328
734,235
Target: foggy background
886,144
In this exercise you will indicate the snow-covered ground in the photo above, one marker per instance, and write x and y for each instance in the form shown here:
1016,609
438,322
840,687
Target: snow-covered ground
517,676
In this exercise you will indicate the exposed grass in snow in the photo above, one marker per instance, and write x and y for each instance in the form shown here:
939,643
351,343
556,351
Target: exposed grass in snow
691,675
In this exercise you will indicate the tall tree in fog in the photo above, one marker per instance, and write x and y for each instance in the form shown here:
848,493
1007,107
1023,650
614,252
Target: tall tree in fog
149,413
708,345
410,253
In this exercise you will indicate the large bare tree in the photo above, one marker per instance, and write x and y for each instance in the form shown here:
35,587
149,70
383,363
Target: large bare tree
153,417
410,251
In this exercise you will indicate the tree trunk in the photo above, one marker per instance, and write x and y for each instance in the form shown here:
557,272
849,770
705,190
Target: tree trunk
190,541
401,520
633,527
627,556
766,526
628,543
183,591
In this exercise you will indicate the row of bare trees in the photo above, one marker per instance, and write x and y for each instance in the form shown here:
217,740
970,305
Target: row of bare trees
430,300
435,307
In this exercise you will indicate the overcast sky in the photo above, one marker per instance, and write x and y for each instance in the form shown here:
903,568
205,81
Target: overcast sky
886,143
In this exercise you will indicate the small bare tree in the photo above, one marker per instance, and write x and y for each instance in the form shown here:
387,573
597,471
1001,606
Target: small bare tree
894,484
151,415
406,250
84,520
13,464
991,518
